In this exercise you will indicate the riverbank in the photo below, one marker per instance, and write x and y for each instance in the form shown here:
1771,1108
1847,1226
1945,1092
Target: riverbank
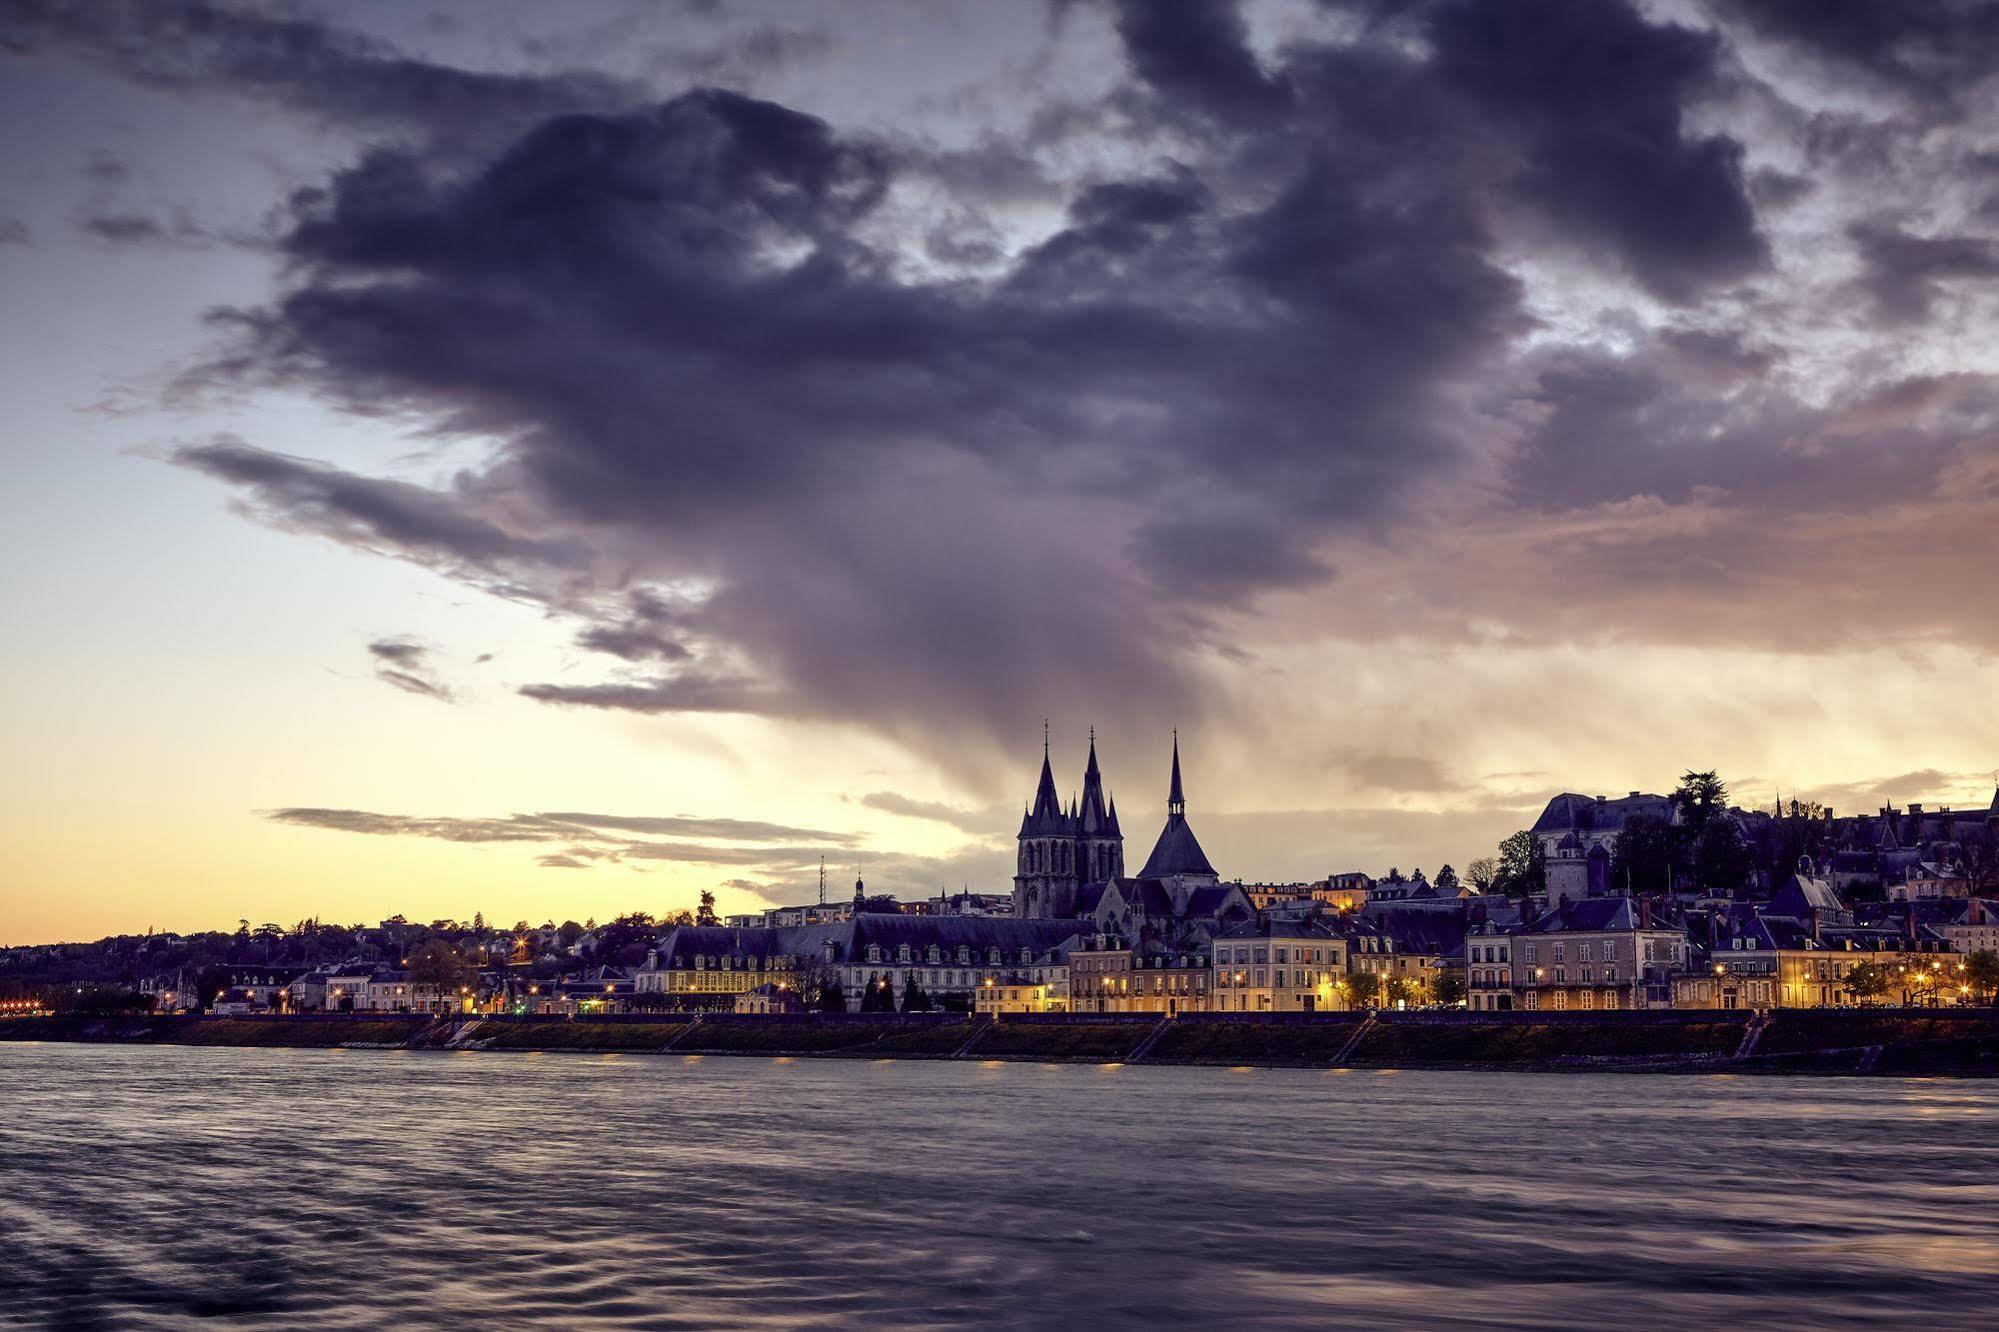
1881,1042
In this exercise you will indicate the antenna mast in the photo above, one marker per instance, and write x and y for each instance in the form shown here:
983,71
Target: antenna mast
822,880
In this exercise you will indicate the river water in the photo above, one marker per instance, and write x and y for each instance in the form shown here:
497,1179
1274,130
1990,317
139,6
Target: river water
178,1187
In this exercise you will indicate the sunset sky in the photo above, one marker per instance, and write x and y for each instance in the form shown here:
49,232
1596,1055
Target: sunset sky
547,460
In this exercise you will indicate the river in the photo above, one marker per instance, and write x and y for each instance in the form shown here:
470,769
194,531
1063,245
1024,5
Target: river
188,1187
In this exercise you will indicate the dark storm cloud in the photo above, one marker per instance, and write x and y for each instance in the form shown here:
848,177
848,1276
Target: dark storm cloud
324,71
1926,49
1904,273
1594,98
1197,51
428,526
1690,414
405,664
673,317
1264,304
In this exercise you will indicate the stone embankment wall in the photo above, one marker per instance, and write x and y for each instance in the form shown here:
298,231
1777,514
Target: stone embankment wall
1933,1042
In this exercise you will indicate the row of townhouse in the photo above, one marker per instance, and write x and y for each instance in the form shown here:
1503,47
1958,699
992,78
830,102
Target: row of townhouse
1796,951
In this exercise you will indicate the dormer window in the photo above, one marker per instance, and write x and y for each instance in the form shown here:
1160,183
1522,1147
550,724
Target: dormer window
902,953
874,952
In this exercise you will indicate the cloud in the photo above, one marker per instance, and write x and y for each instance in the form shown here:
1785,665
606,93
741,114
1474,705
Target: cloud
1396,772
1437,323
405,664
1905,273
586,840
1594,99
979,823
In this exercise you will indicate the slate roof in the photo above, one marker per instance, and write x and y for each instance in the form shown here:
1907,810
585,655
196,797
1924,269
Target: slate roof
1596,814
1177,851
1590,914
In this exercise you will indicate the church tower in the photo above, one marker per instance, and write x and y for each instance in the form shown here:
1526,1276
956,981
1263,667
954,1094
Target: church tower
1044,880
1177,859
1099,843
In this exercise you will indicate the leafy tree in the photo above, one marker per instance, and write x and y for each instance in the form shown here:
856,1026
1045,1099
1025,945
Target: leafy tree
1446,882
1399,990
569,932
1482,874
437,962
882,904
1523,869
832,999
1449,987
704,914
673,918
1394,875
1699,797
1868,981
624,941
1642,857
1981,974
914,1000
1363,986
479,921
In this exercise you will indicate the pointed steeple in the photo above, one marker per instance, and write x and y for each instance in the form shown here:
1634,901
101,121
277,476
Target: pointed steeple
1045,817
1093,818
1177,852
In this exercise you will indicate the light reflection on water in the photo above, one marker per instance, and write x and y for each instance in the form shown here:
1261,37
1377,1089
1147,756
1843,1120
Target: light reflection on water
180,1187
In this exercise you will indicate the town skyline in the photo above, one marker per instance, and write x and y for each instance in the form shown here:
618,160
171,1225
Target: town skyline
487,455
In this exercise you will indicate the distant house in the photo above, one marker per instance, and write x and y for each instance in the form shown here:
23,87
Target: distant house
770,1000
1601,953
1279,966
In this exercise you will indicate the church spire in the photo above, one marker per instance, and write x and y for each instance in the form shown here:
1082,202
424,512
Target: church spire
1176,800
1093,818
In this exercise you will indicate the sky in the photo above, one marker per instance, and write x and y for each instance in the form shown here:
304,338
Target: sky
549,461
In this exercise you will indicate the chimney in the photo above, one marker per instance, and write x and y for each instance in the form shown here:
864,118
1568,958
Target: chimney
1812,921
1915,810
1909,917
1644,913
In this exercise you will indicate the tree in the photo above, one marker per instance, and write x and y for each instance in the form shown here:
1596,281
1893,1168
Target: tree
1399,990
1363,986
1642,857
1523,869
914,1000
1482,874
1868,981
704,914
1721,859
1449,987
624,941
1981,974
1699,797
437,962
1446,882
673,918
479,921
832,999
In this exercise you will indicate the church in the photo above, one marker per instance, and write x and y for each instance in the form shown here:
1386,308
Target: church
1071,866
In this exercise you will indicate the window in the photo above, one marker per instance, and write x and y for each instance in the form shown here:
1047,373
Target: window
1582,952
1533,953
1282,955
1610,950
1561,952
